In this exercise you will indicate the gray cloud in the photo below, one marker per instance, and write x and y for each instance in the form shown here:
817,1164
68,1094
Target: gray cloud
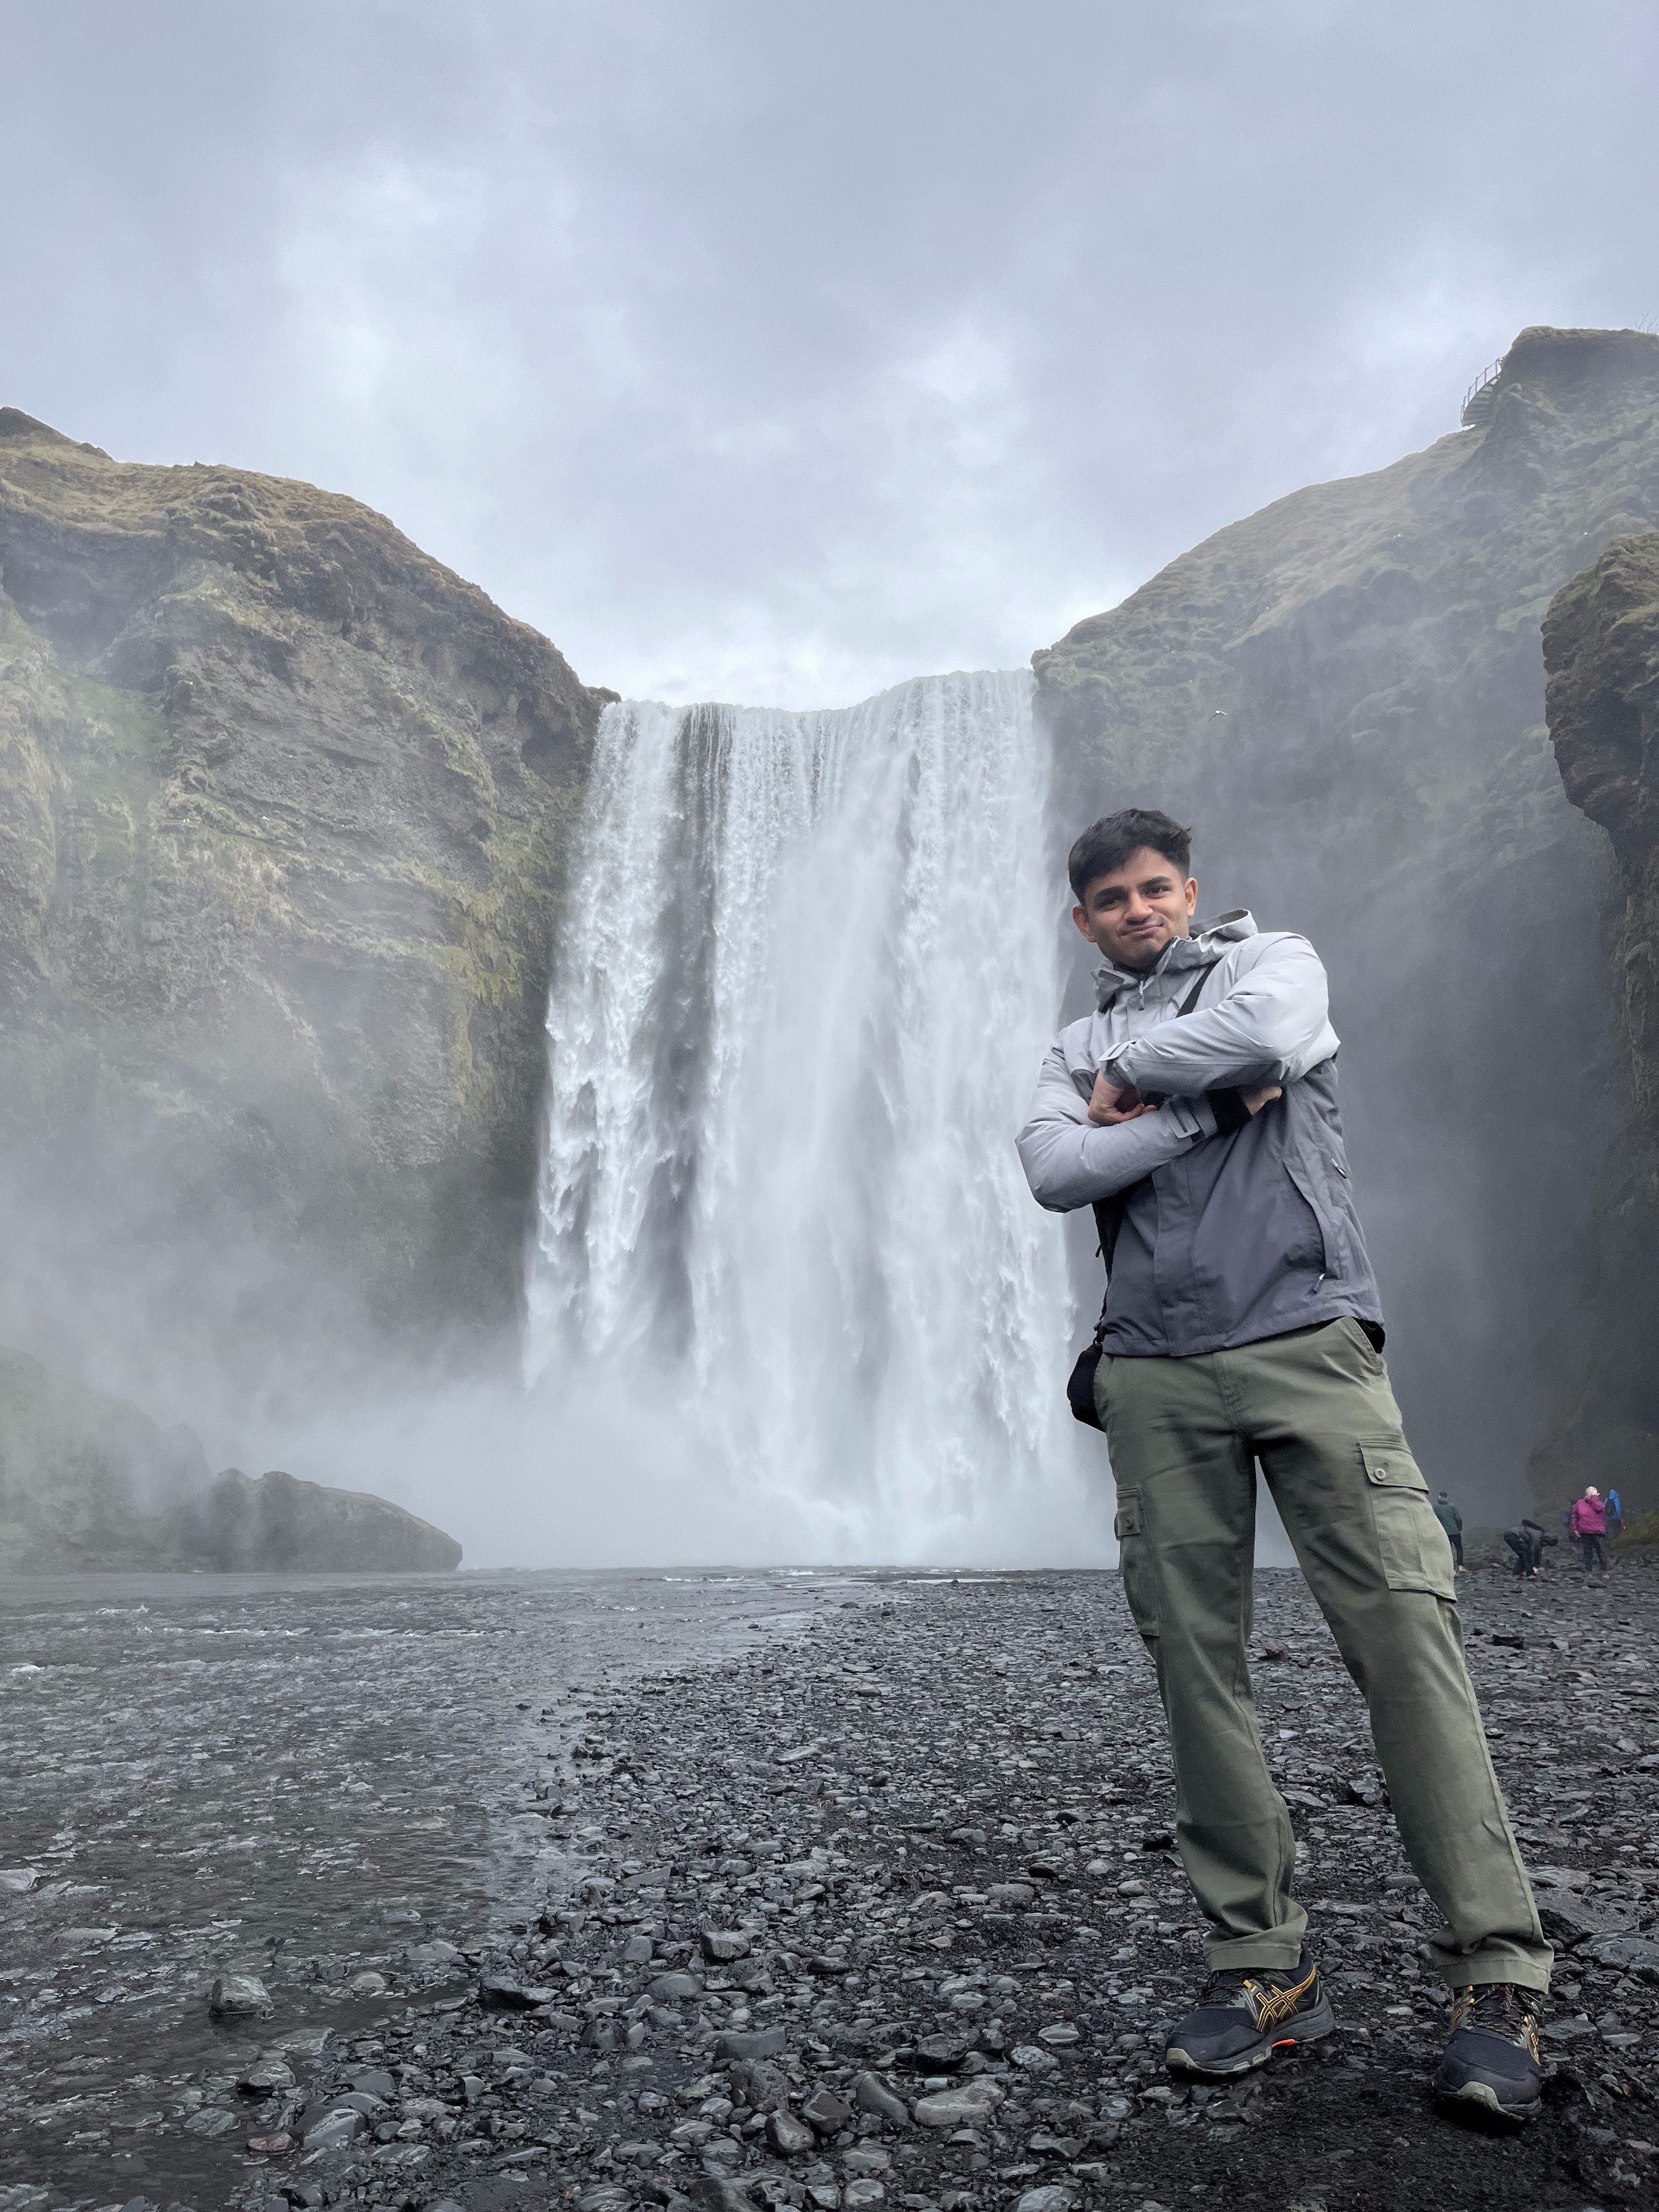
778,351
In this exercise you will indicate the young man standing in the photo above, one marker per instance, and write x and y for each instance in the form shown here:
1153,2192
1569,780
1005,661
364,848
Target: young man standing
1196,1111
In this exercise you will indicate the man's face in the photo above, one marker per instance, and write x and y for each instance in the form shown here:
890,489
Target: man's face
1134,913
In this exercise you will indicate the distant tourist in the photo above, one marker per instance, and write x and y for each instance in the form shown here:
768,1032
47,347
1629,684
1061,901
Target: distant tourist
1615,1513
1589,1526
1452,1521
1196,1111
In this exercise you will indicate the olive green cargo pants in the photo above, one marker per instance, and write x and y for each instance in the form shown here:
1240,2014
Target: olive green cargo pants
1315,1411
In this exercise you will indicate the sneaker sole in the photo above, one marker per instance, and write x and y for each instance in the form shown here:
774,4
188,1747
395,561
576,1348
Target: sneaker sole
1483,2095
1303,2027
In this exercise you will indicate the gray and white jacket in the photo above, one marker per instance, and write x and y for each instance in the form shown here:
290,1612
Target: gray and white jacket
1232,1228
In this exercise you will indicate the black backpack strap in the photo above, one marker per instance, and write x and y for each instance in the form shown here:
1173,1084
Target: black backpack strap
1109,1220
1109,1212
1190,1001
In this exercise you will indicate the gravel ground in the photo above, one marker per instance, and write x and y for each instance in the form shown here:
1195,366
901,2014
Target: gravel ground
310,1780
881,1911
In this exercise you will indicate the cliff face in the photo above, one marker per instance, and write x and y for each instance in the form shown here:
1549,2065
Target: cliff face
1602,654
283,814
1344,694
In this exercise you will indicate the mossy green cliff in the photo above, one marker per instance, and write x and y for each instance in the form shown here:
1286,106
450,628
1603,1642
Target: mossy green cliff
284,808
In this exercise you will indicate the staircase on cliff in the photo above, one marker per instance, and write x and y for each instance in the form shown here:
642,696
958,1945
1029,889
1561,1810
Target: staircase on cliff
1481,397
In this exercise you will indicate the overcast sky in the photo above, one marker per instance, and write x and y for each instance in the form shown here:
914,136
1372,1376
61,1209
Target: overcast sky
774,351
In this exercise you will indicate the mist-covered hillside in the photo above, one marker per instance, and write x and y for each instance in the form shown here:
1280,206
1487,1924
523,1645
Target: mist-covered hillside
1601,652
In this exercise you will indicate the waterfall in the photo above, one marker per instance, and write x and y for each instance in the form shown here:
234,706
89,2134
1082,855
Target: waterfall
806,975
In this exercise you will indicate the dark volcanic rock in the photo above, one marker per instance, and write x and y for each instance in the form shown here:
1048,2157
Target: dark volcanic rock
277,1525
1601,651
1344,694
86,1482
282,809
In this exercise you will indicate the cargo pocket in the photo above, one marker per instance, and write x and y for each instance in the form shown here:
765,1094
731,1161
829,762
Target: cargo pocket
1411,1543
1140,1576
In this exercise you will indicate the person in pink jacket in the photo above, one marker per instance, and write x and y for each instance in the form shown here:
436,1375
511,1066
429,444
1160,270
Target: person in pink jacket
1589,1525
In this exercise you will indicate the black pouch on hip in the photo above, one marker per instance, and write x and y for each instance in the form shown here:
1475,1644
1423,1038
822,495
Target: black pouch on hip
1080,1386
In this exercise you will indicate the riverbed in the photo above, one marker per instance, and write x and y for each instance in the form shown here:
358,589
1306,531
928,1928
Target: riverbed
528,1867
303,1778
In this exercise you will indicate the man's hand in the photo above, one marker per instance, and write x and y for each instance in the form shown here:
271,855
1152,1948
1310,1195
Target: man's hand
1264,1095
1108,1104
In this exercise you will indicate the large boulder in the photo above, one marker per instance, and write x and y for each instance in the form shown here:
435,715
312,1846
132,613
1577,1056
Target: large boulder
1345,693
276,1525
282,822
89,1483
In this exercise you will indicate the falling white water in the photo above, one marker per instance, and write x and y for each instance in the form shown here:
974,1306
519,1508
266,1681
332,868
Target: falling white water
805,980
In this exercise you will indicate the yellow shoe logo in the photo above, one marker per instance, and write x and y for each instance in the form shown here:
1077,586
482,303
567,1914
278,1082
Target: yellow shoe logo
1273,2006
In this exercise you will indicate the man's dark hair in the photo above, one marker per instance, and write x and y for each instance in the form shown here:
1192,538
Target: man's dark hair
1105,845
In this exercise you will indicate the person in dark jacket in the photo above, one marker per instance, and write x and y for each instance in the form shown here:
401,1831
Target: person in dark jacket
1196,1111
1615,1515
1452,1521
1528,1542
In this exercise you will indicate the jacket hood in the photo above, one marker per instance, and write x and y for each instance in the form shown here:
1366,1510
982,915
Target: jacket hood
1208,941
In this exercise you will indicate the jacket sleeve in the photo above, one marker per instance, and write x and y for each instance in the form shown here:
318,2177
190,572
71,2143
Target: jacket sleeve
1069,1162
1272,1026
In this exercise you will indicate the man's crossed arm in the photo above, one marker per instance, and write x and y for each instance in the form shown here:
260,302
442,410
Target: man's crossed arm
1092,1133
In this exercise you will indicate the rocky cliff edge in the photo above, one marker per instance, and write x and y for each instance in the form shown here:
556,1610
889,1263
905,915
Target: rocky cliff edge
1601,655
283,811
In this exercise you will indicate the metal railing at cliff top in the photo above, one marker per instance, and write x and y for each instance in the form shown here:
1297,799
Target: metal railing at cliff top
1479,399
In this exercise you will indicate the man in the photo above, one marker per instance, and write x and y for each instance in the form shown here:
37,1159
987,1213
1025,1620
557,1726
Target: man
1535,1539
1589,1526
1615,1515
1452,1521
1197,1111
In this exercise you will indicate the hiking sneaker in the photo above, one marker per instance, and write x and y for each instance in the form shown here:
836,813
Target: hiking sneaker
1492,2058
1243,2016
